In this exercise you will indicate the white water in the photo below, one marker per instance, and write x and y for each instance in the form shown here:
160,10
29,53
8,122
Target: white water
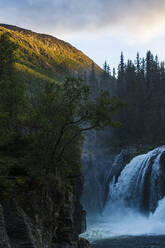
118,219
123,222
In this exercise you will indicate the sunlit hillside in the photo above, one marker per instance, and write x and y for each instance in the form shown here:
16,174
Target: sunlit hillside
45,57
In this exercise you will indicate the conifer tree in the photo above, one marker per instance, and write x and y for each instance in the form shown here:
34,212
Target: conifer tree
114,73
93,81
137,64
7,56
12,97
121,68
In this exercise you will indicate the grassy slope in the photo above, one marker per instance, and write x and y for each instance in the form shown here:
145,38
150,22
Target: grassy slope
44,57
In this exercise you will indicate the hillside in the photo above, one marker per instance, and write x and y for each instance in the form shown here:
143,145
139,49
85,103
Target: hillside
45,57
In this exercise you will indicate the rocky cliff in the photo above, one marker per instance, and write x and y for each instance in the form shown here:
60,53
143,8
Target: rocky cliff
46,220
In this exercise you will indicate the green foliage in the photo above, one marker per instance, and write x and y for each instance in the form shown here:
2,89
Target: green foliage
7,55
42,128
12,93
58,115
141,86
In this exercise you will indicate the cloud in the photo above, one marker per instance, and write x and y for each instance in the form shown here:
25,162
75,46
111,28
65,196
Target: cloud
134,20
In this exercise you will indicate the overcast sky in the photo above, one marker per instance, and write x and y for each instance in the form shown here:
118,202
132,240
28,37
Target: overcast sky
100,28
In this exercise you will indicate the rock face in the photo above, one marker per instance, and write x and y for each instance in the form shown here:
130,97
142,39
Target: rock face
48,220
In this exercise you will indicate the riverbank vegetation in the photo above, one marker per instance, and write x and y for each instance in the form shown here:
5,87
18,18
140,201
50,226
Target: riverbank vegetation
42,126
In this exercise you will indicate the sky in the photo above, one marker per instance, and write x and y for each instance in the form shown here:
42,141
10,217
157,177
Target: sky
100,28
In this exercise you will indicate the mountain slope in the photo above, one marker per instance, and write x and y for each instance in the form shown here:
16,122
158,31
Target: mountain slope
45,57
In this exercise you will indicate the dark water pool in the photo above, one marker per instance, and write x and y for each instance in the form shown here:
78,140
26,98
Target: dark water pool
132,242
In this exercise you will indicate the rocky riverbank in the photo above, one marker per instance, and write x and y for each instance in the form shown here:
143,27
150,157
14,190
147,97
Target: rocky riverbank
132,242
46,220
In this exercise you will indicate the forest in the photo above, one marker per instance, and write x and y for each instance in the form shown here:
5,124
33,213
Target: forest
140,86
42,126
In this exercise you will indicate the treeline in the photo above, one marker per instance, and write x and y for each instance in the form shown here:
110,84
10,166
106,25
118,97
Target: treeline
140,84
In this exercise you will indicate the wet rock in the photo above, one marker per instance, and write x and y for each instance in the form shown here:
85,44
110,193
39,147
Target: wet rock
44,220
83,243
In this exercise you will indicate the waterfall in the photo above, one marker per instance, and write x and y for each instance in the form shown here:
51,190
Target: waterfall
142,182
136,199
